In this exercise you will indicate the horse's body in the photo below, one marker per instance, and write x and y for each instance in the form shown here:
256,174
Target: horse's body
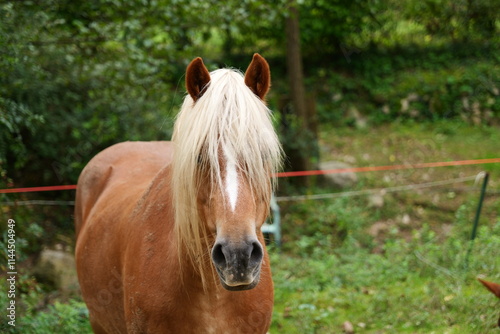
143,250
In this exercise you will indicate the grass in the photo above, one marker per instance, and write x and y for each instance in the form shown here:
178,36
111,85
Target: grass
408,275
420,286
414,143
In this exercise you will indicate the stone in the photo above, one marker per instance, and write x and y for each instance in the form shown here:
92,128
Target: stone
405,104
58,268
378,228
347,327
376,201
386,109
339,180
359,120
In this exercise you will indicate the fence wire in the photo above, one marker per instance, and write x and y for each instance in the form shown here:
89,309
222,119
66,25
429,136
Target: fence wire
379,190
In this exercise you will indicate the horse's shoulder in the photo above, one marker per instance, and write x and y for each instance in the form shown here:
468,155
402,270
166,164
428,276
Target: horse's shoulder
124,166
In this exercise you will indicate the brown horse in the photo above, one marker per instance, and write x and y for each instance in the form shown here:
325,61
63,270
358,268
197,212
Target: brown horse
168,233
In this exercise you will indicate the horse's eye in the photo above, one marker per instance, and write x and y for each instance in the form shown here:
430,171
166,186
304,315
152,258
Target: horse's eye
200,161
203,200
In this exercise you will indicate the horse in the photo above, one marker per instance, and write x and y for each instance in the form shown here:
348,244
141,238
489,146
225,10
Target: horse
168,234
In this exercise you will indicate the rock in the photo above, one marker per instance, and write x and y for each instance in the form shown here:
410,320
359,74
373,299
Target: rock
386,109
378,228
476,113
347,327
339,180
337,97
359,120
465,103
376,201
414,113
349,159
413,97
405,104
57,268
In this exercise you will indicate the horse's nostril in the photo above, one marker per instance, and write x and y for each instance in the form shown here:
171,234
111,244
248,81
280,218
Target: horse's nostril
218,255
256,254
246,256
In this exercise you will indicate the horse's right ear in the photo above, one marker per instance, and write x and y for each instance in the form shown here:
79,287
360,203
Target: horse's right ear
197,78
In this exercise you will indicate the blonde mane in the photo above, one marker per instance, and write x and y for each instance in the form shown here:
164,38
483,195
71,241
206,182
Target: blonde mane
228,118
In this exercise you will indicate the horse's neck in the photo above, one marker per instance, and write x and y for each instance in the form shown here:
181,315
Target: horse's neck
192,278
208,299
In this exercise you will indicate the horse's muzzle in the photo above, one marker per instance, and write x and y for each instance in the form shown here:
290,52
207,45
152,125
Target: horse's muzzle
238,264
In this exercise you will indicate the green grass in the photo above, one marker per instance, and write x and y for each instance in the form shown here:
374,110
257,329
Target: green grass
413,143
420,286
409,277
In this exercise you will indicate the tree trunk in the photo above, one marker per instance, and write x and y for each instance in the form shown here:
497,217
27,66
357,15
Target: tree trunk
300,160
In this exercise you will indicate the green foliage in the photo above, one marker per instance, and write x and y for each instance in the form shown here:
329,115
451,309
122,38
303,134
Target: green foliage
438,83
77,67
327,25
31,314
60,318
78,77
71,317
458,19
15,120
27,240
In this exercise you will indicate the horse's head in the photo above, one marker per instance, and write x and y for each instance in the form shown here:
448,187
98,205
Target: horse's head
236,153
235,215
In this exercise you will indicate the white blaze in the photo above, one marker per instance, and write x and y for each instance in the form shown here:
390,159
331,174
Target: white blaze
231,180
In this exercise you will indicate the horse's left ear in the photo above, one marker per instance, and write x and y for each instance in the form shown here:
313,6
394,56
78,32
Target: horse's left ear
258,76
197,78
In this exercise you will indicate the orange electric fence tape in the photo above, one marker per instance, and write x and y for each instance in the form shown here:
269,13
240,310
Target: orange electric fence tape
391,167
305,173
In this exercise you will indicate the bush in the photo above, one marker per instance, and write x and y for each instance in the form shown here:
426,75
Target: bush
59,318
423,84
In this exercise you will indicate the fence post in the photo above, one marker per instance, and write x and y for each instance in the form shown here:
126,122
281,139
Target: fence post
476,218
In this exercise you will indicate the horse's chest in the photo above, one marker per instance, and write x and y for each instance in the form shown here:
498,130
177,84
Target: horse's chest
230,316
213,316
